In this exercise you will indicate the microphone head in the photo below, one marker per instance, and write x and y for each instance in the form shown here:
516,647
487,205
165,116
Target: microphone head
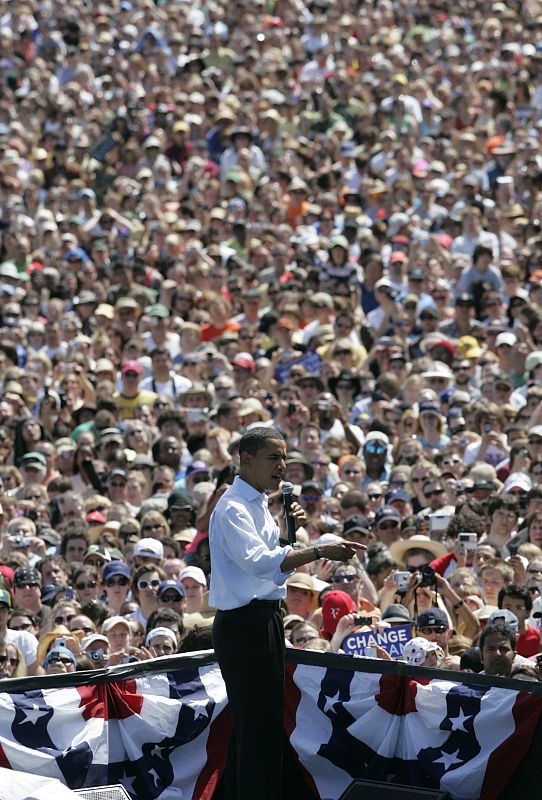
287,488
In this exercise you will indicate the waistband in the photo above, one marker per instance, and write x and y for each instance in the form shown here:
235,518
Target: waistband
275,604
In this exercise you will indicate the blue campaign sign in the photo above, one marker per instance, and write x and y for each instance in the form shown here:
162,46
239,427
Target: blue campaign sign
392,640
310,360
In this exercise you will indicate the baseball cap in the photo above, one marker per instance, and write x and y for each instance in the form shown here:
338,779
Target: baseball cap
156,632
117,620
415,651
506,616
244,360
97,550
433,616
315,487
396,612
86,641
149,548
58,651
158,310
33,458
197,467
357,522
397,494
507,338
5,598
132,366
334,606
170,584
26,575
195,573
115,568
387,512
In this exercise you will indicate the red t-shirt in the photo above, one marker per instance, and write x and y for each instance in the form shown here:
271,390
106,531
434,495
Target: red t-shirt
528,644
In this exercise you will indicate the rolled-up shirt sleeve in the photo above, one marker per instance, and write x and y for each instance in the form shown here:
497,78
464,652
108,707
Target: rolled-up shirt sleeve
243,545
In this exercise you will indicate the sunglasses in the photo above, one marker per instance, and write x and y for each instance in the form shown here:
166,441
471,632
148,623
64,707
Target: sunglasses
375,496
434,629
61,618
434,493
60,660
344,578
118,582
131,374
82,586
13,661
26,585
154,584
388,526
375,449
171,598
152,526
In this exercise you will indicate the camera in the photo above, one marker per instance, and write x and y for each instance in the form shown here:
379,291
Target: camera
428,578
468,540
96,655
363,621
402,579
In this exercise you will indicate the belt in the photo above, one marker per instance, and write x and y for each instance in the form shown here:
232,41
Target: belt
266,603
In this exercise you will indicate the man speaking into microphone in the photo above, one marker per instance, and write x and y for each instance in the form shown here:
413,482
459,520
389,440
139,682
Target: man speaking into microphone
249,570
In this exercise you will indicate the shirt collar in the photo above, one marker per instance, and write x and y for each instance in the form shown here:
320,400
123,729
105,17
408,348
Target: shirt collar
246,490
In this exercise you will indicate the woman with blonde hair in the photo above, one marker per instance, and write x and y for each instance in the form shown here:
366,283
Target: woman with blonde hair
11,661
155,525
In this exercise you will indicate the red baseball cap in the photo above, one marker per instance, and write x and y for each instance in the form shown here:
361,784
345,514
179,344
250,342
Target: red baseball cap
244,360
132,366
334,606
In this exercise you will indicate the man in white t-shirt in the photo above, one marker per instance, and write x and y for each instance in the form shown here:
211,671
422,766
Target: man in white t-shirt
163,379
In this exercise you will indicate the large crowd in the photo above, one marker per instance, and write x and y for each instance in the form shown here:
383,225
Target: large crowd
321,216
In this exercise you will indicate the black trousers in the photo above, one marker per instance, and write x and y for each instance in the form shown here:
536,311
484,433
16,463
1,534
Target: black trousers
249,646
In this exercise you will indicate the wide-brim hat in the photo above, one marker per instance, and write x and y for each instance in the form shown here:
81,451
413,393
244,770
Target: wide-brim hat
45,641
399,549
298,458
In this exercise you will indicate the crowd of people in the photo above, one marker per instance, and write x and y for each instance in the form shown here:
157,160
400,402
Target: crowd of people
324,217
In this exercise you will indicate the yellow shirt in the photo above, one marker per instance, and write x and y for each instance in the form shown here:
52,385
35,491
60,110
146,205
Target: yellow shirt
128,405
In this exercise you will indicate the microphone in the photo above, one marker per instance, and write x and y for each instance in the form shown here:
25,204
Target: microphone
287,498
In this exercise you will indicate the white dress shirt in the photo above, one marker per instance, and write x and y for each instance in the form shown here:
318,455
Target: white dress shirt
245,552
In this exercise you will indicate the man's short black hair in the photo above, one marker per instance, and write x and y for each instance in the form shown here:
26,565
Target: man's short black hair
501,629
253,440
518,592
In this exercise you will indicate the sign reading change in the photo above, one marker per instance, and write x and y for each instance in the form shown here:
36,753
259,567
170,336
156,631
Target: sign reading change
392,640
